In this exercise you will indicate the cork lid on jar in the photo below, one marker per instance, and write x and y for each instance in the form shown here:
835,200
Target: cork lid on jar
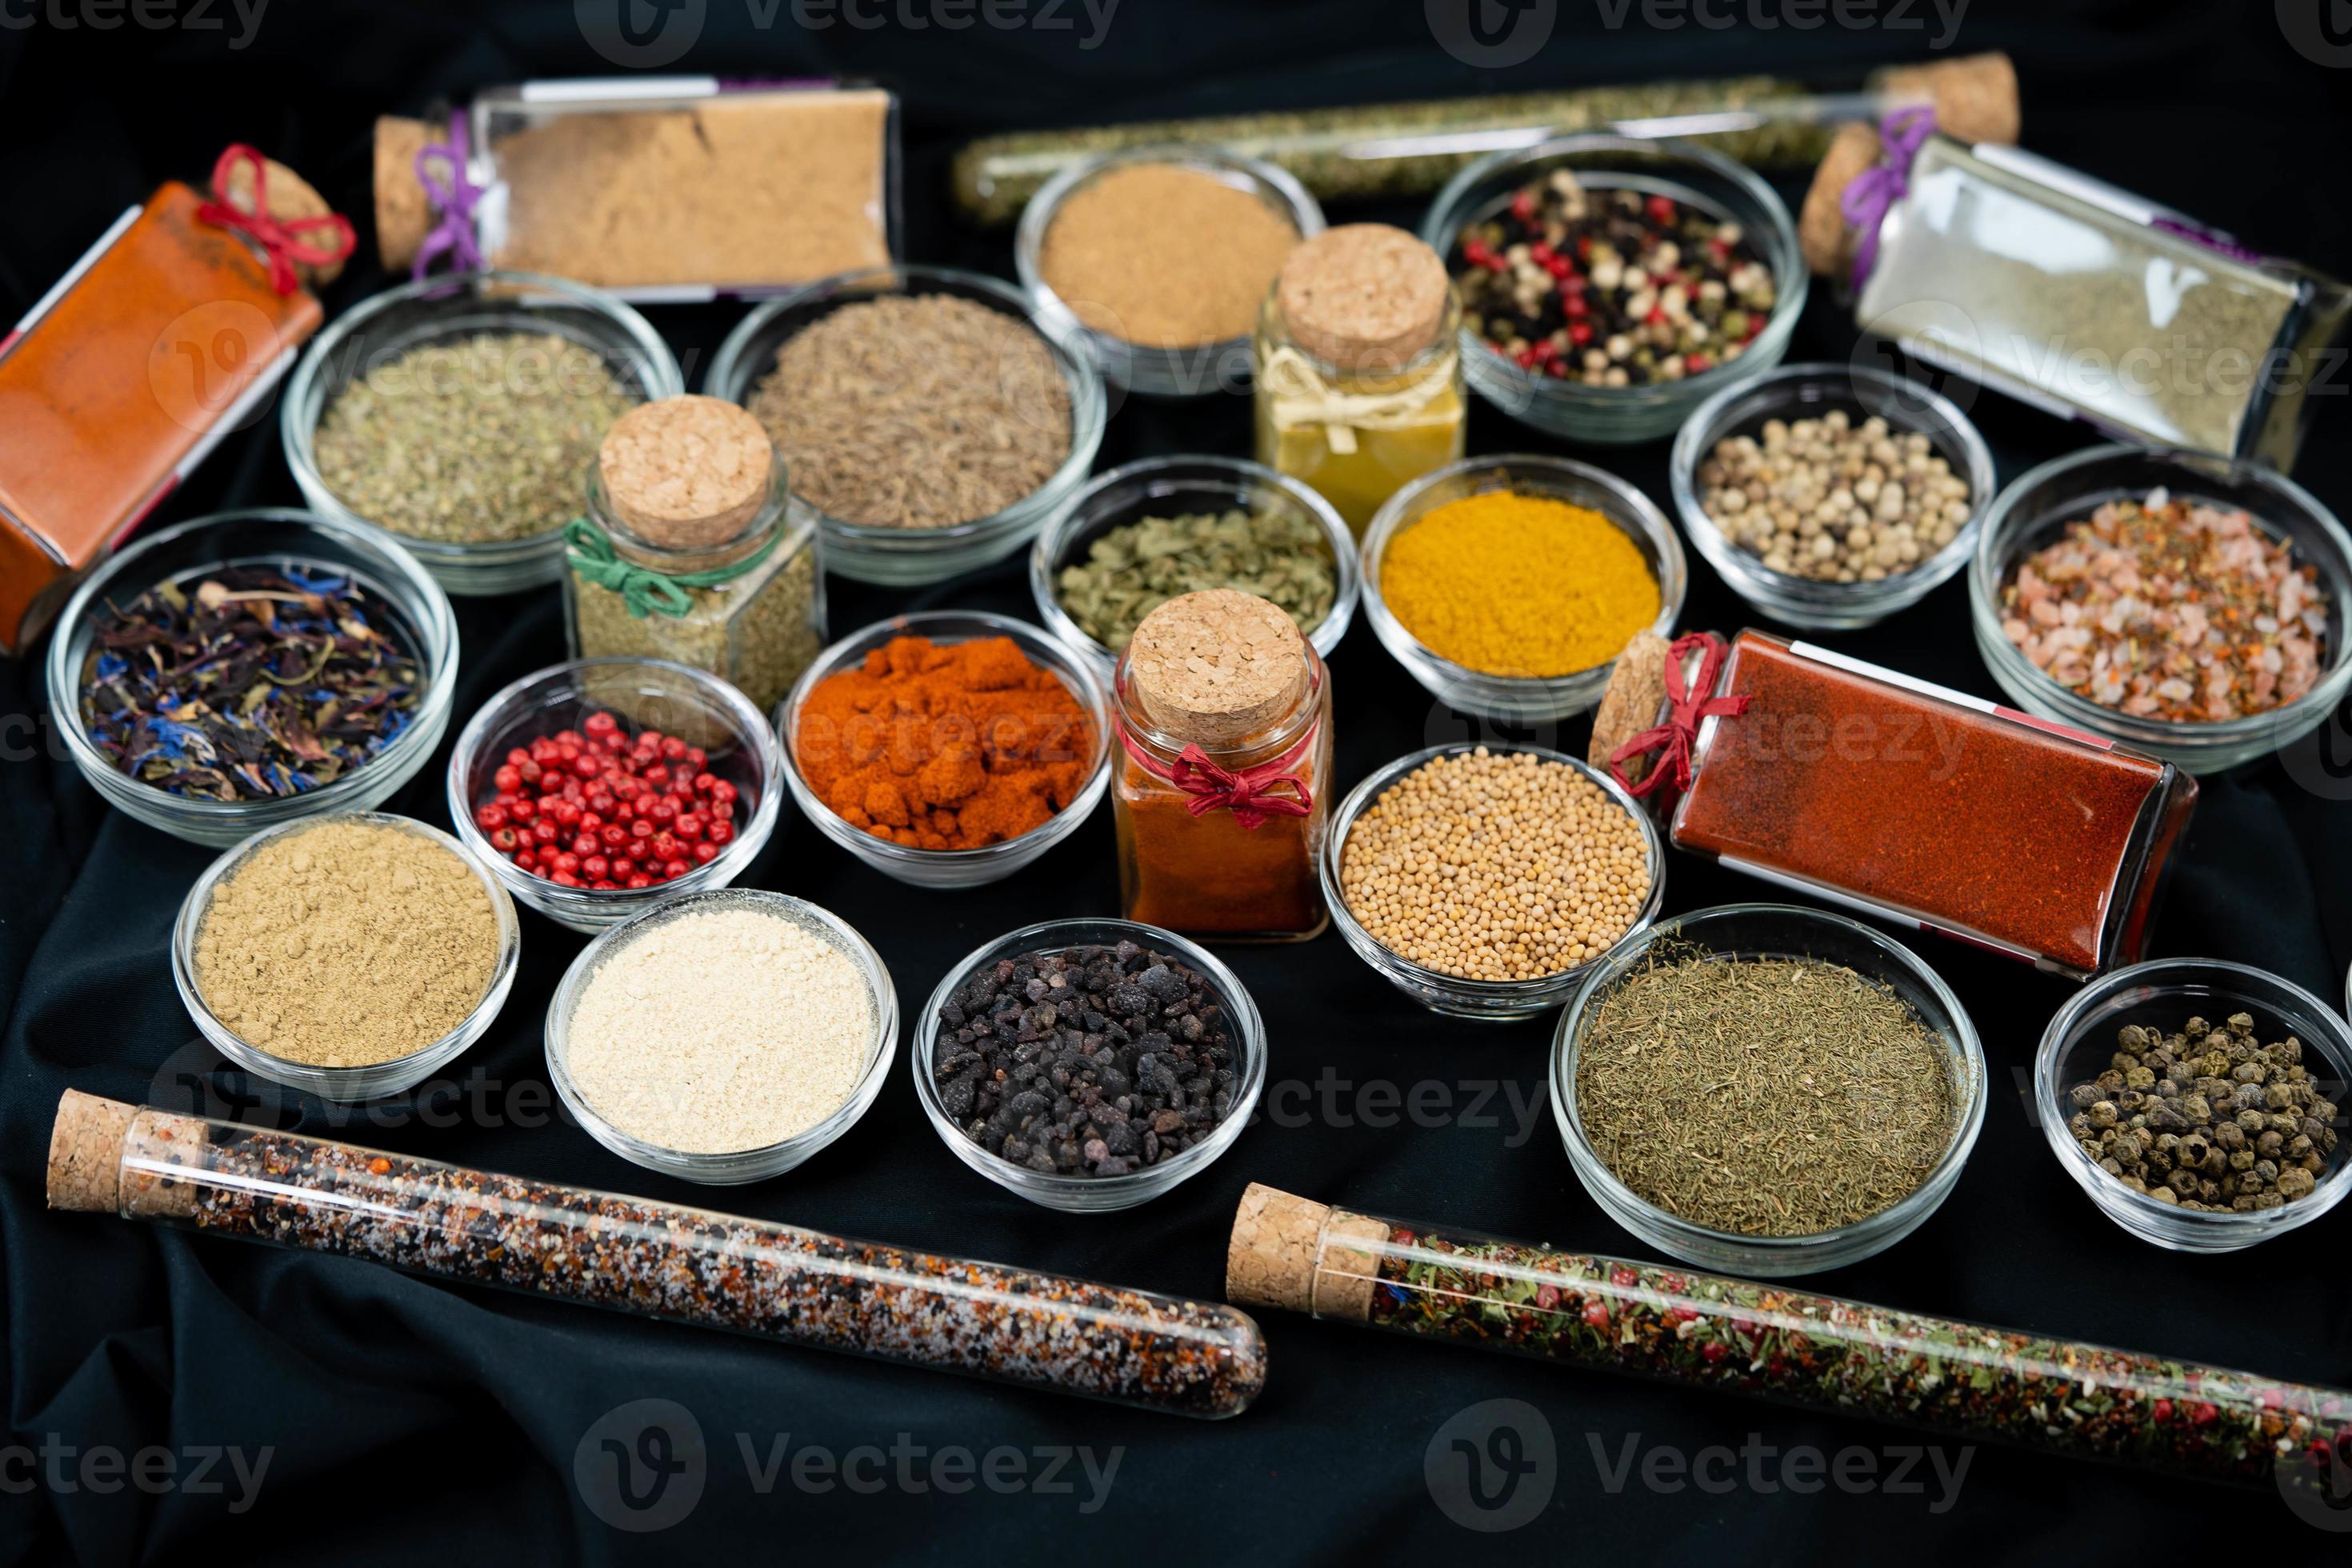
403,212
1364,295
1216,668
292,199
687,473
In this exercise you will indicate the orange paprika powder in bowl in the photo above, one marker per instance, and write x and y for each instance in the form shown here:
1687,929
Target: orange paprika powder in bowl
949,748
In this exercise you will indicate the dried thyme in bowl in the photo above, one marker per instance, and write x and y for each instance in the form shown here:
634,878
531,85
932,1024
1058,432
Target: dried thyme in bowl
1763,1096
484,438
1280,556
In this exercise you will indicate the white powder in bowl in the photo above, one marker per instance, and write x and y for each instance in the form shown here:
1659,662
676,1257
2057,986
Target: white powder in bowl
721,1030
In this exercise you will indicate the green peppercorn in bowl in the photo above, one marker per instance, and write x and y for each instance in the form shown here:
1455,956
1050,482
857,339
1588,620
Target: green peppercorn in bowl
391,722
1145,532
2125,1068
460,414
1775,934
1728,292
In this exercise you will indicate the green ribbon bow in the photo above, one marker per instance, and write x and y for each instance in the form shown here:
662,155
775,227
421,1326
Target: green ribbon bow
643,589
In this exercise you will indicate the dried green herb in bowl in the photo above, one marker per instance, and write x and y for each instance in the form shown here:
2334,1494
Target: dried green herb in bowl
1282,556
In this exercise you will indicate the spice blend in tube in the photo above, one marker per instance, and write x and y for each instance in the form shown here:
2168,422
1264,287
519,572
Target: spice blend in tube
1786,1346
1090,1061
665,1261
944,746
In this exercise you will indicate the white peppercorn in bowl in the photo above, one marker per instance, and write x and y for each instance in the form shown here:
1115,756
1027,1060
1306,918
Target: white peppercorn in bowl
1691,176
1860,393
352,1084
908,556
646,693
1510,699
951,867
1090,1194
1193,372
1173,486
732,1167
1738,932
1493,1000
2162,995
444,310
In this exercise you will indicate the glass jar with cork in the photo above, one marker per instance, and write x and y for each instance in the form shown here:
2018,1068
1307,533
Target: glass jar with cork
1222,793
1358,367
689,551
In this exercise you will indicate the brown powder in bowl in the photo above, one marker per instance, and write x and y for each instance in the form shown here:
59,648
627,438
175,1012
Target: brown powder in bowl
346,944
1163,256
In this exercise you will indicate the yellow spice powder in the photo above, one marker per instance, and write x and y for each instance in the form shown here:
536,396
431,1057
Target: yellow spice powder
1518,584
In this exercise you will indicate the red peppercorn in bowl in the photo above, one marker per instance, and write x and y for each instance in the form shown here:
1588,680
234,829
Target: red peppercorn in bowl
598,788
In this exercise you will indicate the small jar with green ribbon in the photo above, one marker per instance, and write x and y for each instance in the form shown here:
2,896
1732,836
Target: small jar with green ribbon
690,551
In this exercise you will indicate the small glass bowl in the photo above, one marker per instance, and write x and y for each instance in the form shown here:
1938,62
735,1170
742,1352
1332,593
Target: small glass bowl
1807,392
2163,995
1508,699
344,1084
1776,931
1689,174
443,309
1497,1000
1171,487
902,557
646,693
951,867
1190,371
265,536
735,1166
1094,1194
2035,509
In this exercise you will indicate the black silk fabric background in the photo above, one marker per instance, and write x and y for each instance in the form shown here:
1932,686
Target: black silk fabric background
405,1421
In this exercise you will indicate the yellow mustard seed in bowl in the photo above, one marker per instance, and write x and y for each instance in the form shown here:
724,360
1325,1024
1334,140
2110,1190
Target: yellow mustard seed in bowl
1498,867
1518,585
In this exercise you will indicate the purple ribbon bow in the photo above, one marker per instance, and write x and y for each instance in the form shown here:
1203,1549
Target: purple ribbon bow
453,198
1876,189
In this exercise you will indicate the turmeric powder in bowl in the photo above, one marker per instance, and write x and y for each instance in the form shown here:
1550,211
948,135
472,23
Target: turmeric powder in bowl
1521,586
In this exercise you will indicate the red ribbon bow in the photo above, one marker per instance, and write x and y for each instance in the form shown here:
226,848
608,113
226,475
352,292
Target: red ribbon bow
281,240
1685,709
1250,794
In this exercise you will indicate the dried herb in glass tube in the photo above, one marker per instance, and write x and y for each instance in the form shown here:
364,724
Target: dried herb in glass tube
1787,1346
1902,799
658,1261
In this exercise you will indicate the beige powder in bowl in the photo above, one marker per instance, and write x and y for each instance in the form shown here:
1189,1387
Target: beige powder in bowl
721,1030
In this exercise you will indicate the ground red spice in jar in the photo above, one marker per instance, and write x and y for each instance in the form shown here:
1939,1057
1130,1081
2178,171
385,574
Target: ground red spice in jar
1975,821
597,807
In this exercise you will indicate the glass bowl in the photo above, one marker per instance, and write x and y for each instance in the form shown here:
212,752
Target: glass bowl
1776,931
951,867
737,1166
1091,1195
355,1083
1519,699
1166,487
1806,391
2164,994
1190,371
2036,506
902,557
1492,1000
440,310
265,536
645,693
1689,174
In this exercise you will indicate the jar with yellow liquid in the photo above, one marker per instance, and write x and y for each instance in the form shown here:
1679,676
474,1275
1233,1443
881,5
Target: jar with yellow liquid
1358,367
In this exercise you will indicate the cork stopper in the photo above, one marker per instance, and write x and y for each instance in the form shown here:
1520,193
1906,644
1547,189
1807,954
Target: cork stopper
403,215
1364,295
1636,695
86,1152
1214,667
689,472
291,197
1975,96
1822,233
1292,1252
